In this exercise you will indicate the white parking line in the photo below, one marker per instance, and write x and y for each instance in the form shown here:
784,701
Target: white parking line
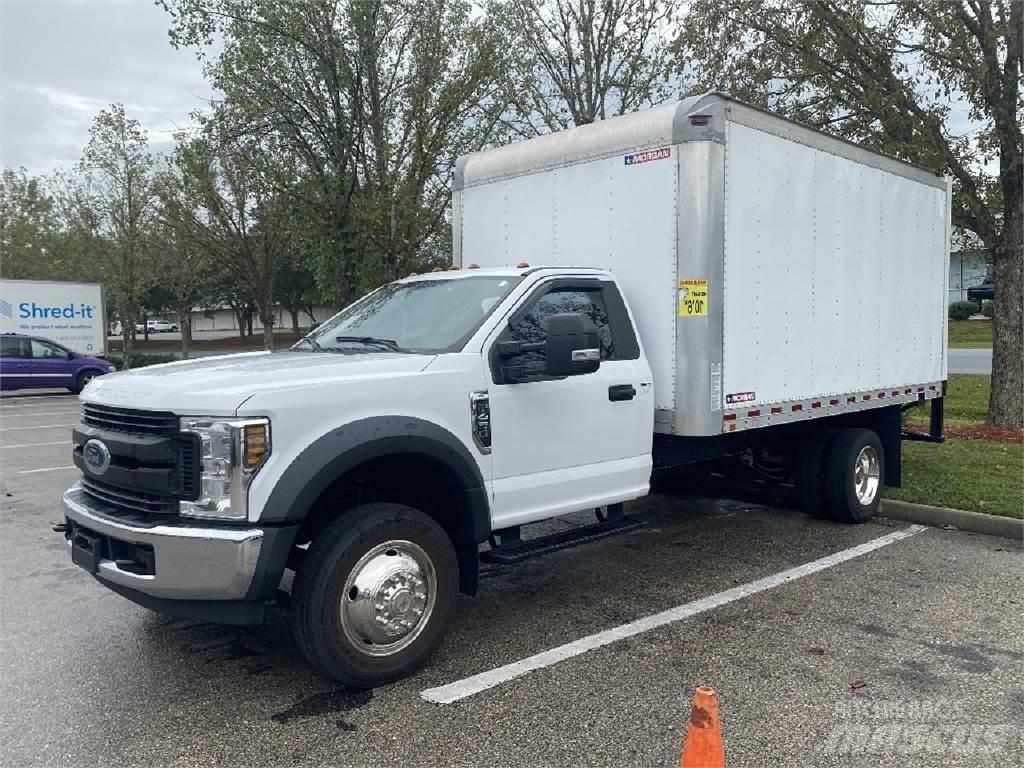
35,426
44,469
446,694
33,412
36,445
37,398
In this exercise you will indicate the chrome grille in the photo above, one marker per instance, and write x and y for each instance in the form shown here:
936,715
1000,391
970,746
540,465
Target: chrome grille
134,500
130,420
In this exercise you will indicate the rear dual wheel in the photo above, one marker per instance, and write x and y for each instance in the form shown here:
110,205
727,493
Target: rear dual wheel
840,473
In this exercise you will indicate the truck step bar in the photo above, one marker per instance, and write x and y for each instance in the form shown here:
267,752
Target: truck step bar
512,549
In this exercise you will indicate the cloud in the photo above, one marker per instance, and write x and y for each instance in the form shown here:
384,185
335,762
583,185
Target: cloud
61,61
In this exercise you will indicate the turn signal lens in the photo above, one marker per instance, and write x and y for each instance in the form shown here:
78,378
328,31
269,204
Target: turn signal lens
256,445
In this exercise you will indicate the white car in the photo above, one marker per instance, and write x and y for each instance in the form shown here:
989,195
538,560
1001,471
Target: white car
156,326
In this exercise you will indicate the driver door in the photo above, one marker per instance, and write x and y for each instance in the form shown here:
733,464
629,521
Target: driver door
574,442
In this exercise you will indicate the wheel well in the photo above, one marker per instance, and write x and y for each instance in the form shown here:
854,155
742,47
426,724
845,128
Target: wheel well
417,480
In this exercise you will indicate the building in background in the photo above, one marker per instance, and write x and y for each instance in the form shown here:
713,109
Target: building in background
969,263
224,319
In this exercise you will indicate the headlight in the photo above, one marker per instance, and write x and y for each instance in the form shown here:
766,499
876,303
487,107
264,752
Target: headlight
231,452
111,369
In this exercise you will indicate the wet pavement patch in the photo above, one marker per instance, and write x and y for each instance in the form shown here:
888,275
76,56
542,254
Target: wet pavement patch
324,703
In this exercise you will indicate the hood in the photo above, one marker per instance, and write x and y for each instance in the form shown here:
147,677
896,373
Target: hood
219,385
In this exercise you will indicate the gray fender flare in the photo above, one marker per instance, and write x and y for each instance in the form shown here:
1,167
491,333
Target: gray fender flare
342,449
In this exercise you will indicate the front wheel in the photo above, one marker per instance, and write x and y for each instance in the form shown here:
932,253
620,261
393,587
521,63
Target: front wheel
375,594
82,379
855,475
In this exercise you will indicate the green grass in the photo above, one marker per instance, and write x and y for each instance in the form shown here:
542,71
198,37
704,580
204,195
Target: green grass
966,334
966,401
977,475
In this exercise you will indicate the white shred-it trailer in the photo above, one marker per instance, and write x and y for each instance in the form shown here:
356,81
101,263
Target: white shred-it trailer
775,273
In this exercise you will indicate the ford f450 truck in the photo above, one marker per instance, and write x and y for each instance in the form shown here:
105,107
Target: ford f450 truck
710,284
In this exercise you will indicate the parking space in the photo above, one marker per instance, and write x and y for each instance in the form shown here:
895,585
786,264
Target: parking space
904,647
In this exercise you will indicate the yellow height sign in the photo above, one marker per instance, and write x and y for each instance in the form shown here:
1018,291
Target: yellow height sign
693,298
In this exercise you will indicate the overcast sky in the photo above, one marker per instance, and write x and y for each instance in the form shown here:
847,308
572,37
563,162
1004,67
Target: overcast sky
61,61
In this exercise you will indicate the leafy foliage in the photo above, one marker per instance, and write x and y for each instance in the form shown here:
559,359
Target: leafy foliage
893,75
577,61
961,310
369,101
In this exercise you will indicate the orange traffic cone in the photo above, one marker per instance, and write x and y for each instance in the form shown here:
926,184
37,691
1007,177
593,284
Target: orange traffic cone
703,746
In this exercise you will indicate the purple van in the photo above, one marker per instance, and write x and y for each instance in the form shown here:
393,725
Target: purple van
30,362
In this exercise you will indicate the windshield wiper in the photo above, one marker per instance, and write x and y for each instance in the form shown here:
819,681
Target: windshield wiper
312,342
389,344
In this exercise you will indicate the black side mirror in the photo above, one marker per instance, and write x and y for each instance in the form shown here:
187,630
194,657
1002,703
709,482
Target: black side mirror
573,345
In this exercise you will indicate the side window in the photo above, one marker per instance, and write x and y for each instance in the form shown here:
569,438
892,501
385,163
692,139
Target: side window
12,348
44,351
533,326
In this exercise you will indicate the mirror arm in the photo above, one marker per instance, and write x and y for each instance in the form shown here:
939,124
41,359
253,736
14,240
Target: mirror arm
510,348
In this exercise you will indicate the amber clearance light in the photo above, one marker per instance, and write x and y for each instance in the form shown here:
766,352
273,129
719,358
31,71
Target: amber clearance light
257,445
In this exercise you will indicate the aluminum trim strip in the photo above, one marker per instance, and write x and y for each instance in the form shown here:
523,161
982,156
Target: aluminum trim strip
738,419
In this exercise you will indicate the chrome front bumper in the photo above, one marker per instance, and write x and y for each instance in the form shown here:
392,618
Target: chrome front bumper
190,563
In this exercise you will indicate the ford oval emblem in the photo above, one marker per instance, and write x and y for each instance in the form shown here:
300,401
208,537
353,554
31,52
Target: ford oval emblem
97,456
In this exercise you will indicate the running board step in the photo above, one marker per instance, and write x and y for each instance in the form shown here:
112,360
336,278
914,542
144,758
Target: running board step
523,550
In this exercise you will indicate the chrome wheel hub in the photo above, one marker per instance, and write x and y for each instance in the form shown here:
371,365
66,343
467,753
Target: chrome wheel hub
388,598
867,473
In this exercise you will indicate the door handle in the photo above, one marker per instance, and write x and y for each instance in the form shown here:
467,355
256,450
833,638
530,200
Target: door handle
618,392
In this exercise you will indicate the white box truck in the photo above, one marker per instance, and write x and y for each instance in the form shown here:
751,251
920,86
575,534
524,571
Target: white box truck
71,314
699,284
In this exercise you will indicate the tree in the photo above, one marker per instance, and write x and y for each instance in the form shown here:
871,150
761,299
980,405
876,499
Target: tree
577,61
187,268
371,101
229,207
889,74
27,226
295,288
113,207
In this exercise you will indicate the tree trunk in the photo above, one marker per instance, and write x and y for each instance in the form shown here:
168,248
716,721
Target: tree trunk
1006,402
127,340
185,327
268,332
248,322
240,319
295,319
145,326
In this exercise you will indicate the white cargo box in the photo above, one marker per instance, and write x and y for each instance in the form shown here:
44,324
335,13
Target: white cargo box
775,273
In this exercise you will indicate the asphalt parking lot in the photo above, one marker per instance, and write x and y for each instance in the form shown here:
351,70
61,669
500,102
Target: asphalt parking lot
908,651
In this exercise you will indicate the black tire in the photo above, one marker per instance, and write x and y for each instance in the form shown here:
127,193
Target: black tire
317,593
841,472
808,474
82,379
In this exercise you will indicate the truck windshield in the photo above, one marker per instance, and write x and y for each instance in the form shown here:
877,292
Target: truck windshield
422,316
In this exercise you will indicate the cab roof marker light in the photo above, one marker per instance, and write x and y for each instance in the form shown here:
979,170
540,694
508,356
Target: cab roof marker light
522,265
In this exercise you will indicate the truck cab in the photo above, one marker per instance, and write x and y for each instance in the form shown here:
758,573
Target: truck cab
373,458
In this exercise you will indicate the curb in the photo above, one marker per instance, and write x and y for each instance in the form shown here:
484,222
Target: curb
961,519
